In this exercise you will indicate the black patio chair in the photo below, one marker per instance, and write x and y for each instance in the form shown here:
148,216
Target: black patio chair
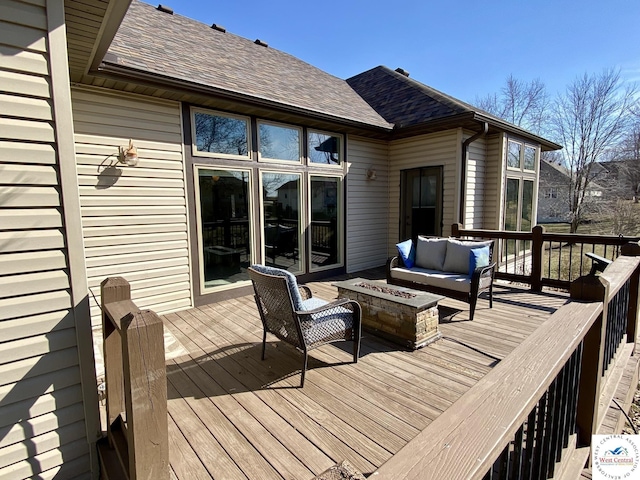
291,313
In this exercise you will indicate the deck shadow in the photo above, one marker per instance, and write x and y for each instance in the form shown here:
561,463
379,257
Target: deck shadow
238,368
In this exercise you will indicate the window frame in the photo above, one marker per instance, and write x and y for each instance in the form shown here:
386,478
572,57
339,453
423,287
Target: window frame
302,221
194,135
340,220
301,141
341,150
204,290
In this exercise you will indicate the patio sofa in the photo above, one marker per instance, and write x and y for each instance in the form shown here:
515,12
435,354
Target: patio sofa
454,268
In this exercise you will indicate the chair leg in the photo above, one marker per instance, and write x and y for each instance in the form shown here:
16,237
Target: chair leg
304,369
491,296
356,348
264,343
472,304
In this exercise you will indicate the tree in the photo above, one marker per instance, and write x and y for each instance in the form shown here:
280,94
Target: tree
589,119
524,104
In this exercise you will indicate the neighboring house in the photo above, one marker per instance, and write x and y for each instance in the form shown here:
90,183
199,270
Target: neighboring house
619,178
553,193
216,119
554,202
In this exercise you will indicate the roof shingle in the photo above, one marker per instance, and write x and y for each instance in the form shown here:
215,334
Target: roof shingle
178,47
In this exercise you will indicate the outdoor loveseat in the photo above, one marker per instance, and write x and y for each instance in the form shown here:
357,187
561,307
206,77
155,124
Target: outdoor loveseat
454,268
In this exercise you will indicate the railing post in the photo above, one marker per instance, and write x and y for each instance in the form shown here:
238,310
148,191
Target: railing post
590,288
455,229
145,383
113,289
537,244
632,249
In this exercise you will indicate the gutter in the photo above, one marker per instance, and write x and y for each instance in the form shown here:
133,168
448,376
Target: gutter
465,152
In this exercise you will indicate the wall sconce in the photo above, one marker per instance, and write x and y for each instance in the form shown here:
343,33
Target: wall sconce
128,155
371,174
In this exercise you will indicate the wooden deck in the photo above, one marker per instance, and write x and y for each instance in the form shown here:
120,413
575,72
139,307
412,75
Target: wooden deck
232,415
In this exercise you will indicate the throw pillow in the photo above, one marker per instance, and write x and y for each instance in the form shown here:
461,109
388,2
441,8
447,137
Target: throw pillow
478,257
407,252
430,252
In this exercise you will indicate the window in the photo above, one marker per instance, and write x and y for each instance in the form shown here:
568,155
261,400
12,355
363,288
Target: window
224,223
513,154
217,134
521,156
277,142
326,229
324,149
281,220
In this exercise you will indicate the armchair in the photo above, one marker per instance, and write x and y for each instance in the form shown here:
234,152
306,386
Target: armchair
291,313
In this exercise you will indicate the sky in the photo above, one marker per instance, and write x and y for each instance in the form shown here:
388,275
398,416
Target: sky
464,48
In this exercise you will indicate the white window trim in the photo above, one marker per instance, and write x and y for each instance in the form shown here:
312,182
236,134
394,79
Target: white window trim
204,290
279,160
198,153
341,213
341,165
301,196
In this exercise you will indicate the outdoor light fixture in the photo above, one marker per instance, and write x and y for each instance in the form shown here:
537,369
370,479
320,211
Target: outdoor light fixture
371,174
128,155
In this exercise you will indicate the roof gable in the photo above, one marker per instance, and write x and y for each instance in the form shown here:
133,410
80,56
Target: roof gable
177,47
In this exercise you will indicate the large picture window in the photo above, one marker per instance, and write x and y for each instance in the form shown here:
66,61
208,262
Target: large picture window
220,134
225,226
326,202
281,194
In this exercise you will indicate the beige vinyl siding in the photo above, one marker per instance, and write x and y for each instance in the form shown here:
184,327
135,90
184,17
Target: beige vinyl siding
367,204
48,420
134,218
436,149
494,182
475,184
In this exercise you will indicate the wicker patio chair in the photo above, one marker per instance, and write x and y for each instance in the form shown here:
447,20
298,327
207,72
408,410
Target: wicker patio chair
291,313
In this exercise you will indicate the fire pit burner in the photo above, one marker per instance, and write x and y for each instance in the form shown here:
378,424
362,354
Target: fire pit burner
390,291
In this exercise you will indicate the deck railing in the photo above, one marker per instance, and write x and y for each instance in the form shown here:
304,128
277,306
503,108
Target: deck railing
533,415
545,259
136,387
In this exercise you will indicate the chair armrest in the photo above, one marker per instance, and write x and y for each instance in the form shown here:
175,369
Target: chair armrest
340,302
393,262
305,292
482,272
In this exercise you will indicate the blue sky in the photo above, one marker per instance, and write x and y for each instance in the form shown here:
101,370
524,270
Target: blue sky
464,48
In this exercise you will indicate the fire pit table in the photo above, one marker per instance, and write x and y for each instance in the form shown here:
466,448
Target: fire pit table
403,315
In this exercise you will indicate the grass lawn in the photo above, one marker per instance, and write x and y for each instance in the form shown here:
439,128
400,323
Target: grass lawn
623,219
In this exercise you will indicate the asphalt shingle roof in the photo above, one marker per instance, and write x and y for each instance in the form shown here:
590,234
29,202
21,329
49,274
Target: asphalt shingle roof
178,47
402,100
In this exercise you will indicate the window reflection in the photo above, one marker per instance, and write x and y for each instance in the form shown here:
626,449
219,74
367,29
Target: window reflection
513,155
281,209
325,227
324,149
279,143
224,218
221,134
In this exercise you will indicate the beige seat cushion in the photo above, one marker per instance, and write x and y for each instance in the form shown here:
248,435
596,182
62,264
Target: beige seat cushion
434,278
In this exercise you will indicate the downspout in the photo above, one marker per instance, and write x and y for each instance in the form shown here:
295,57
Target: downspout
465,152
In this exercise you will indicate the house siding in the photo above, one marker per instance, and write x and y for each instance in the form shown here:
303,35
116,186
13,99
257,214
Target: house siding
476,170
441,149
494,181
48,400
367,204
134,218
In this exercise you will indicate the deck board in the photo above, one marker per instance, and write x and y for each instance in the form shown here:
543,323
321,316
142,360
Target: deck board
233,415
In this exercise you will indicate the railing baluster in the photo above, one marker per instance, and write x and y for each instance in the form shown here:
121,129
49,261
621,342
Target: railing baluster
537,465
518,450
530,442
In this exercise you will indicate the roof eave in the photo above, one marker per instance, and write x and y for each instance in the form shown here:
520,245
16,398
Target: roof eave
546,145
122,73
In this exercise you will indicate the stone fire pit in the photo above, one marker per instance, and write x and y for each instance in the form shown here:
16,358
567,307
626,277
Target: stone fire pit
402,315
